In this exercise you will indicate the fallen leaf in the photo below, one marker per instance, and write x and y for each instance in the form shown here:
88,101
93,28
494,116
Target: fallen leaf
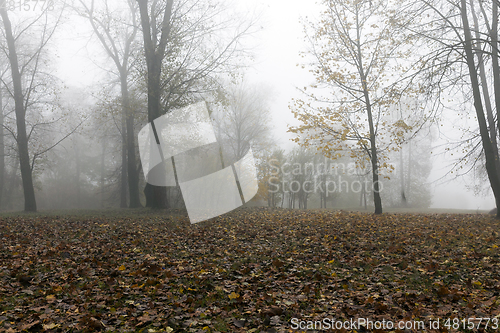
234,295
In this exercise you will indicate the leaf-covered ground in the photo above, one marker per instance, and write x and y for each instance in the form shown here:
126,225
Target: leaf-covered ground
251,270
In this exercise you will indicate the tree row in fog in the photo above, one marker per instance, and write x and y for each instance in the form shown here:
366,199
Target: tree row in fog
384,74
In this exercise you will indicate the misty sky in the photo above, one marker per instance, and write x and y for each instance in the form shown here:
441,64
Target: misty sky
276,55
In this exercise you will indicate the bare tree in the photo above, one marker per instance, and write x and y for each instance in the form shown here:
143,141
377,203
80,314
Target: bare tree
489,150
242,120
27,82
107,25
467,55
185,46
22,136
155,43
2,148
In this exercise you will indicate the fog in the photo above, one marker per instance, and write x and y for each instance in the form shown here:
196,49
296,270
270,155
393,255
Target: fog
89,123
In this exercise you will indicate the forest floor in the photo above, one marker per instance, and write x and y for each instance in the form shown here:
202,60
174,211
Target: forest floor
251,270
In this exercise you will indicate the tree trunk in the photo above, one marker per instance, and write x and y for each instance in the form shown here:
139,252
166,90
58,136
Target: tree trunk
322,194
156,196
374,159
103,168
408,183
365,195
123,172
486,92
22,137
2,150
373,146
77,172
132,172
478,105
495,65
402,176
